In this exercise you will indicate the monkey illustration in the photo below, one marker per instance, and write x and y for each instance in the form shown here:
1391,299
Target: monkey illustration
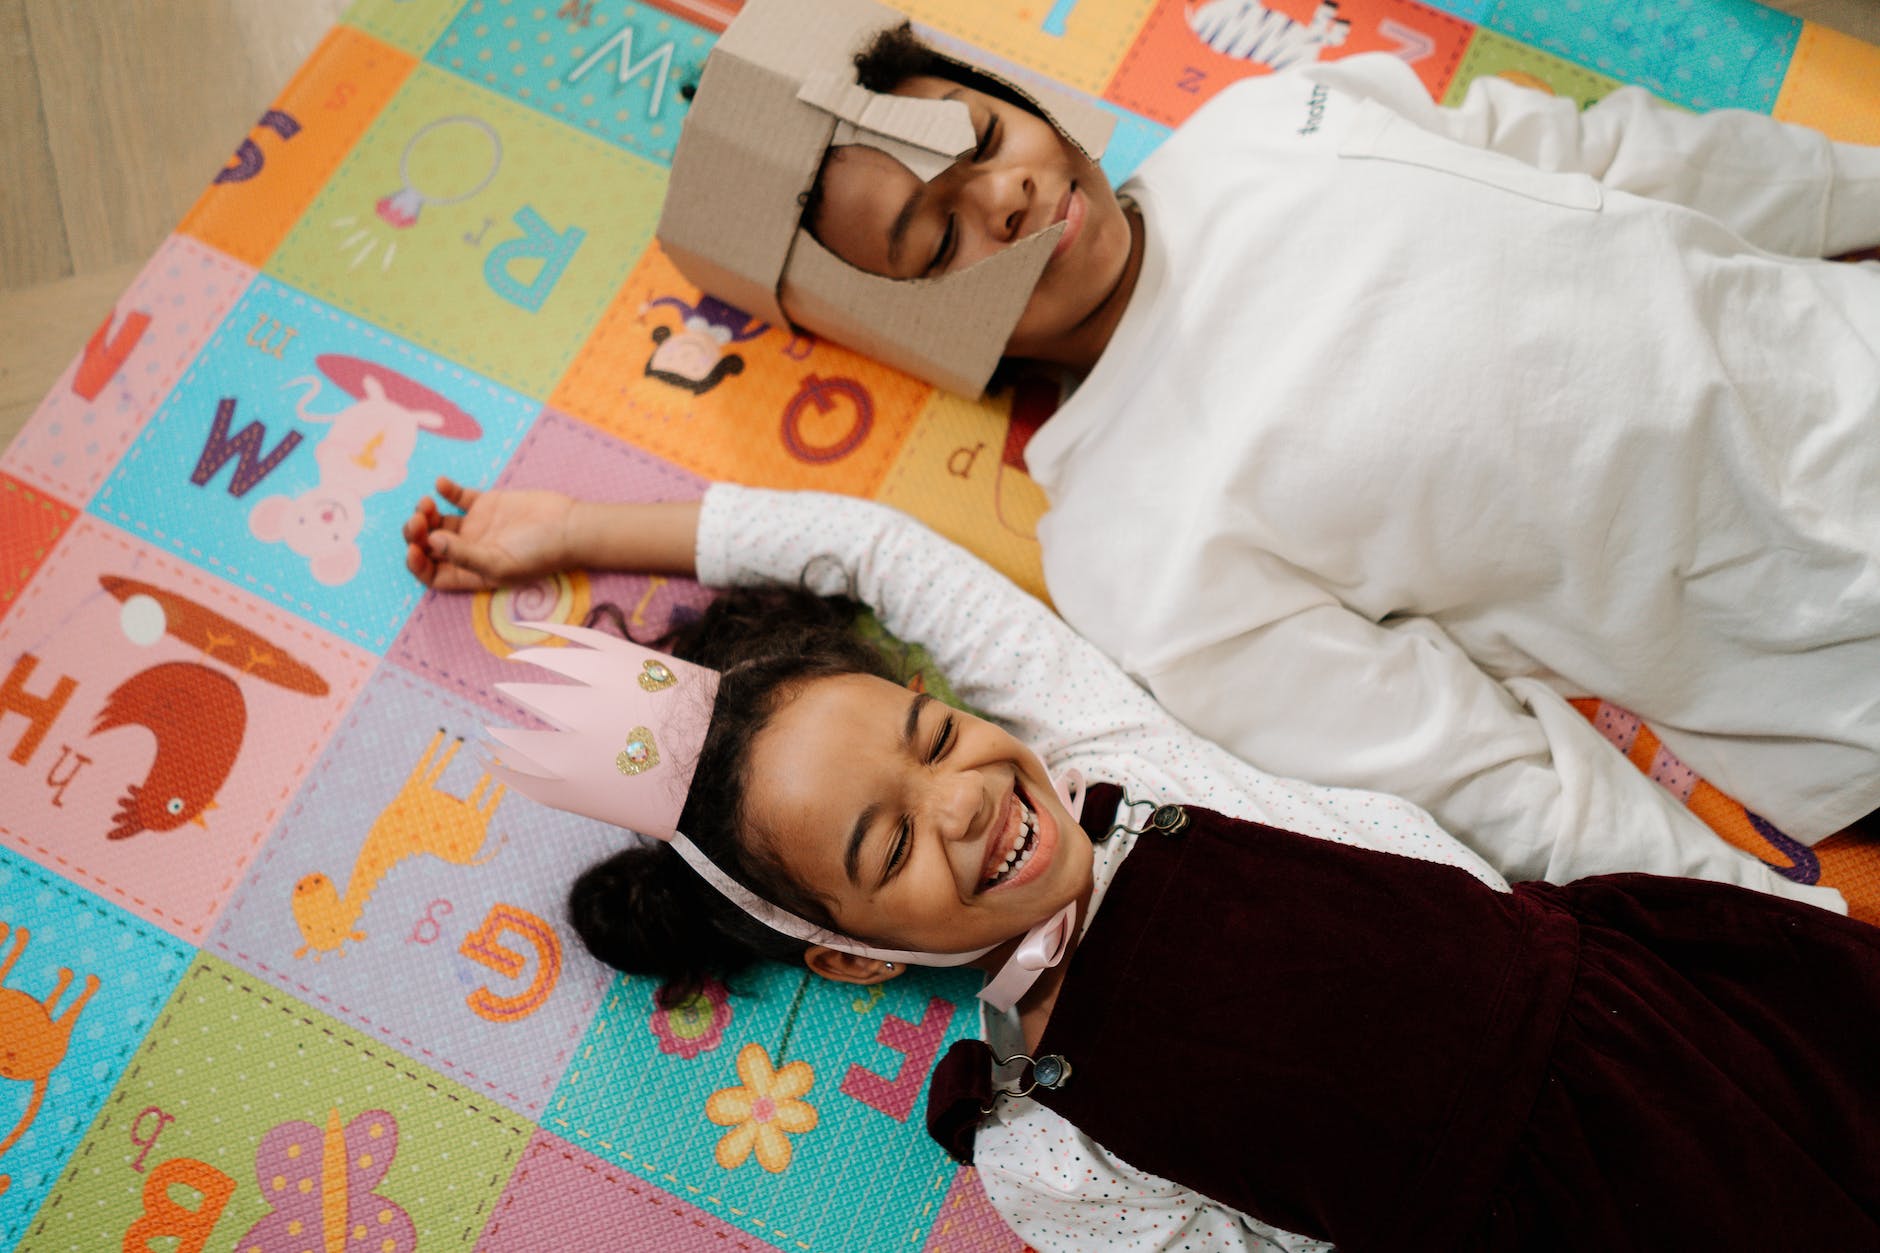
694,357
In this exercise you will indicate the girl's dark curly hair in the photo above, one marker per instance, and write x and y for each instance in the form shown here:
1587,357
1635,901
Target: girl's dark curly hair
645,911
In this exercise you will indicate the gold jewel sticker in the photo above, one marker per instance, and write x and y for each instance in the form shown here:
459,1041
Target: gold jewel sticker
657,677
640,754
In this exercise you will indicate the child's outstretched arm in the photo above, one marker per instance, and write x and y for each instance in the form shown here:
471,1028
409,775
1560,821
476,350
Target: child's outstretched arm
1013,659
1003,651
505,537
1782,187
1508,767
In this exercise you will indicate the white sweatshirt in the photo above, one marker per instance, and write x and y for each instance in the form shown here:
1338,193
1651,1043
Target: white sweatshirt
1019,664
1408,394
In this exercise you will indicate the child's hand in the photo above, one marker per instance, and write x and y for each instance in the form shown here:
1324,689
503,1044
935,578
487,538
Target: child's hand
500,538
506,537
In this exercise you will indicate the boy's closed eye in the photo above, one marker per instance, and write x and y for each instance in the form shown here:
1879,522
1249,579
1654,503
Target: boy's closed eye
988,138
989,132
943,253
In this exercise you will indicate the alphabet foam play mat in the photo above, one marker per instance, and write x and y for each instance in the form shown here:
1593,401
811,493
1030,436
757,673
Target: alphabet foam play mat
280,967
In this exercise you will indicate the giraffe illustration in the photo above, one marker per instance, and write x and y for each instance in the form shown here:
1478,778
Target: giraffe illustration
420,819
33,1040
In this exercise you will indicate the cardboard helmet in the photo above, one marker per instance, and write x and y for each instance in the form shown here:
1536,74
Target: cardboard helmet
778,91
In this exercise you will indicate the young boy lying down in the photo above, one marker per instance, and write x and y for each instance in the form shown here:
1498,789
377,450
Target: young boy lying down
1398,423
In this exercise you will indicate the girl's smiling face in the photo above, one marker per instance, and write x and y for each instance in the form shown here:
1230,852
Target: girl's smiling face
920,826
1023,176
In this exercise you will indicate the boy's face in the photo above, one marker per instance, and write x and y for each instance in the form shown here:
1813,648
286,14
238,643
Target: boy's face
877,215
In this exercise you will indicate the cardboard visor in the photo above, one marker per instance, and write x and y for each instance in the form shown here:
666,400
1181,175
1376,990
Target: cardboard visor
778,91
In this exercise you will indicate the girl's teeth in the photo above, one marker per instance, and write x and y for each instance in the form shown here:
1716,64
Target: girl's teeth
1020,852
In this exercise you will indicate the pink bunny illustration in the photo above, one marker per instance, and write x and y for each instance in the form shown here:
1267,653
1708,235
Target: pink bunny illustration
367,450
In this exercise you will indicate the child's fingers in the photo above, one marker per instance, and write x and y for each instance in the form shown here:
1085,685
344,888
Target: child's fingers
422,518
439,570
446,546
417,528
434,553
456,493
421,566
449,549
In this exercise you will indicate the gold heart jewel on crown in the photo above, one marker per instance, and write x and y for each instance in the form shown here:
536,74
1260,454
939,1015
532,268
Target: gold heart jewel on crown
655,677
640,754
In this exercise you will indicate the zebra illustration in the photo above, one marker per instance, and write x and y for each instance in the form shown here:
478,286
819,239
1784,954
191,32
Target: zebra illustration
1249,31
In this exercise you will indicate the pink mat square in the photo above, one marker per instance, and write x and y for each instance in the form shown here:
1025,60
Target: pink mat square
121,669
563,1198
104,397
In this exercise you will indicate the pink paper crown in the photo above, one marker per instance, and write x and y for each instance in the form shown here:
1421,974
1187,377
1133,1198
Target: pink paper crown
630,730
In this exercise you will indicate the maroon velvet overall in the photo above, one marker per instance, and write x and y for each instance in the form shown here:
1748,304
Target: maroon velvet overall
1385,1053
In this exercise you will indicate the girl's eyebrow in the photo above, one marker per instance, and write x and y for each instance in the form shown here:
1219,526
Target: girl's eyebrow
851,860
910,733
910,741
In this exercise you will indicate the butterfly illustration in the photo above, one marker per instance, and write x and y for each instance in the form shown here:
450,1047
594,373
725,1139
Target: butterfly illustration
320,1183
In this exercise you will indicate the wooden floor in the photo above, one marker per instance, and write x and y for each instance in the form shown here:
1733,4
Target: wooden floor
114,114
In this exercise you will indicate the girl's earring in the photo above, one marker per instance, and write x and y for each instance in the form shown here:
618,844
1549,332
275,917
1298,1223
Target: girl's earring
889,965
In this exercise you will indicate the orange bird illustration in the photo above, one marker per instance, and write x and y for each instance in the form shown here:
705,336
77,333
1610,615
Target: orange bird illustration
198,717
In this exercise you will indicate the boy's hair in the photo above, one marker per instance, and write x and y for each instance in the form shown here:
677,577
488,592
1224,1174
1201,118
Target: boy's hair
897,54
643,910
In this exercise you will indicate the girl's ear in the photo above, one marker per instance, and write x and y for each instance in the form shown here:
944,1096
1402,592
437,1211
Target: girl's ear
840,967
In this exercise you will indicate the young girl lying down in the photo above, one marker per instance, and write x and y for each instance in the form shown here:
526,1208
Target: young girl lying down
1251,1013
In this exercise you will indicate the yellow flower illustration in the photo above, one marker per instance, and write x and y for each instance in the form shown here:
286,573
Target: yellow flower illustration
761,1110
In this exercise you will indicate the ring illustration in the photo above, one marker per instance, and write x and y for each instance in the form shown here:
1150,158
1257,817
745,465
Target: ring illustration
401,208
